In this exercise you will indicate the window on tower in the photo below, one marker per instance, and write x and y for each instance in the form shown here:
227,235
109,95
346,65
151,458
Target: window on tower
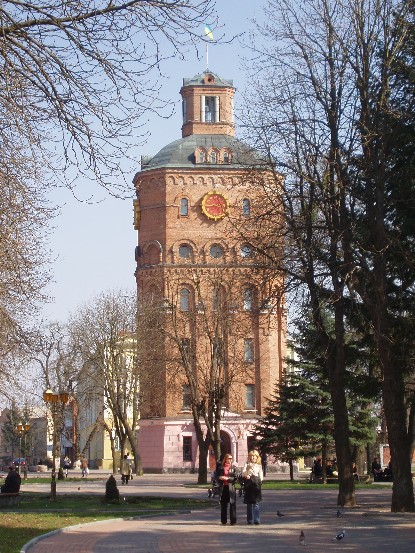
211,108
185,251
248,299
226,156
216,251
184,207
184,299
249,396
218,296
246,250
246,207
248,350
186,398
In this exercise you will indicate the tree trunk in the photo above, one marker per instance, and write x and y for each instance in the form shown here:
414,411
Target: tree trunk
324,461
136,453
399,440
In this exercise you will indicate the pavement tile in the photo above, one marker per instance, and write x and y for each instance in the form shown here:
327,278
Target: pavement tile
369,528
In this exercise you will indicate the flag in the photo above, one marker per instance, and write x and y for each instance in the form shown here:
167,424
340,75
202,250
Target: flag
208,31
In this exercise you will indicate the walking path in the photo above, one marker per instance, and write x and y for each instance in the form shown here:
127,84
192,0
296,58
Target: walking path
369,528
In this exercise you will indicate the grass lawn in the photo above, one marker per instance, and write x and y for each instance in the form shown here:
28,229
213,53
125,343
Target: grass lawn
269,484
37,515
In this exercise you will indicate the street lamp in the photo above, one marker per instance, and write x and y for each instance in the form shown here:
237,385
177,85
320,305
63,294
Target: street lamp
22,429
53,398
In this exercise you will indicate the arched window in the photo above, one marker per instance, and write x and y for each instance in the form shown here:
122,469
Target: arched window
248,350
185,251
201,157
213,157
248,299
184,207
186,398
246,207
216,251
218,296
246,250
184,299
226,157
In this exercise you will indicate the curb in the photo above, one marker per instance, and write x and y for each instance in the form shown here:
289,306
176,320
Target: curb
65,529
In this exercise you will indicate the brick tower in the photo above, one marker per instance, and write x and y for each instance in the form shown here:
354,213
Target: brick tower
193,199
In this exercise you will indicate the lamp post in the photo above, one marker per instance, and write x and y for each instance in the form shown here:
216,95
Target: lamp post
22,429
53,399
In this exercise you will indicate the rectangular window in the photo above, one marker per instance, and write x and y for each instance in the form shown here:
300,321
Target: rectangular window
187,448
186,398
218,350
184,110
248,350
248,299
249,396
184,207
211,109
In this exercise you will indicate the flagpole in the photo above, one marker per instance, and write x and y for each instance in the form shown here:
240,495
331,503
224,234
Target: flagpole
207,56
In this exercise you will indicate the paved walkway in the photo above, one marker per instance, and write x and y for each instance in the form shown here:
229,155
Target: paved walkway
369,528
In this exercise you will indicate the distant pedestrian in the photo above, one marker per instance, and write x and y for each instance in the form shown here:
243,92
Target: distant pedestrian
66,466
84,467
264,462
125,468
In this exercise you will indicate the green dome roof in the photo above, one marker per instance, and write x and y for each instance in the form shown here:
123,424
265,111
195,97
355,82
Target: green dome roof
181,153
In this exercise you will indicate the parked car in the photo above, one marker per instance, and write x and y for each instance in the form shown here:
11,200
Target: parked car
21,461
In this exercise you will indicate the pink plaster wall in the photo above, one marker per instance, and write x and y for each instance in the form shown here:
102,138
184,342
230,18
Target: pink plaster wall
160,442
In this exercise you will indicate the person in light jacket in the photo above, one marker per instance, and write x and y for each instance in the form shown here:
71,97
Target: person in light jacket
125,470
253,476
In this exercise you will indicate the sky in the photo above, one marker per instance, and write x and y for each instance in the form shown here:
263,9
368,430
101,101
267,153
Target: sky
92,244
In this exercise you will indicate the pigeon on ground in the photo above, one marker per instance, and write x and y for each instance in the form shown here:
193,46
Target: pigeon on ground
279,514
339,536
302,538
339,514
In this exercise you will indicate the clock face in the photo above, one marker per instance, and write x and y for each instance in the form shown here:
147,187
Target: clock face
214,205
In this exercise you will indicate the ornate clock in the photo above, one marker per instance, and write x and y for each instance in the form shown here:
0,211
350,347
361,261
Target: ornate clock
214,205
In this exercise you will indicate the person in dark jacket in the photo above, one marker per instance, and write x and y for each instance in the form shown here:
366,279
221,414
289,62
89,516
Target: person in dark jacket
226,475
12,482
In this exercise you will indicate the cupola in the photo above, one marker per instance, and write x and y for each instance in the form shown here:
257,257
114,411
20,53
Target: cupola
207,105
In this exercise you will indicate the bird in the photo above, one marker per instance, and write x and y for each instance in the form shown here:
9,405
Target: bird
302,538
79,489
279,514
339,536
339,514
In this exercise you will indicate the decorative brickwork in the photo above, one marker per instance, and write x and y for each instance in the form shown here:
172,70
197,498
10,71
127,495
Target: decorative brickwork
191,198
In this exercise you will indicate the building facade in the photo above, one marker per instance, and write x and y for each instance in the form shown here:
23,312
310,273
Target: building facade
195,211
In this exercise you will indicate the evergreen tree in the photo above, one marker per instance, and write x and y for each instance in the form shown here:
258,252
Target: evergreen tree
297,421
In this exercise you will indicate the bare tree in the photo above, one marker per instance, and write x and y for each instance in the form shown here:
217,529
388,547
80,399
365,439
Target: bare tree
327,78
202,363
103,333
24,213
48,351
82,75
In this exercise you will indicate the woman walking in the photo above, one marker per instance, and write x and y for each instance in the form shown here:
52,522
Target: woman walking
253,476
226,474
